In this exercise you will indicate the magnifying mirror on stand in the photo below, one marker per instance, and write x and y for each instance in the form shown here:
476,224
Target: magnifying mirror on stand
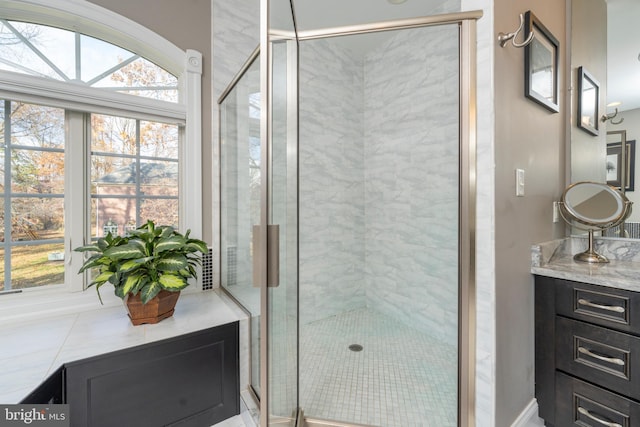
593,207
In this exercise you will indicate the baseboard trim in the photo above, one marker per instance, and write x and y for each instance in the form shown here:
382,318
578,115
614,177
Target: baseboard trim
529,416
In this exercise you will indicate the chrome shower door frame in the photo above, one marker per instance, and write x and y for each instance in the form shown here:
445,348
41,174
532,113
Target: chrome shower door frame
466,22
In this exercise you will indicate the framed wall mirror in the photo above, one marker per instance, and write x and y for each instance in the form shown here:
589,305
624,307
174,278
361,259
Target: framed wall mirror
588,102
621,168
603,40
541,65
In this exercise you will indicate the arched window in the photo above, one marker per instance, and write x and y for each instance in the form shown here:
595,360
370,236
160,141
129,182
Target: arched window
70,56
100,120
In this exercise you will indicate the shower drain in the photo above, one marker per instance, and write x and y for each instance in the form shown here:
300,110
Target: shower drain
355,347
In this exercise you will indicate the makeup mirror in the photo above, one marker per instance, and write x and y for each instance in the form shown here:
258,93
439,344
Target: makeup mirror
593,206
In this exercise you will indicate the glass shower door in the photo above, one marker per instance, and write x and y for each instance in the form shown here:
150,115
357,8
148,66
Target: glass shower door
258,149
279,295
240,183
282,293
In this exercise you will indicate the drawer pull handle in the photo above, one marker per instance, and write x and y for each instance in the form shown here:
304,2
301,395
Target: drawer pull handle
596,419
613,360
615,308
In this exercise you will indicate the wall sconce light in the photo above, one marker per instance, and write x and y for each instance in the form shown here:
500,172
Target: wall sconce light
613,115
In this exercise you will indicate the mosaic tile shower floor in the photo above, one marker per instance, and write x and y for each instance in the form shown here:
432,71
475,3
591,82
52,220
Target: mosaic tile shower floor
401,378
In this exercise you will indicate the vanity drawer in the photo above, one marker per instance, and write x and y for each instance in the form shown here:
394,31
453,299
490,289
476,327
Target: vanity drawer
610,307
581,404
599,355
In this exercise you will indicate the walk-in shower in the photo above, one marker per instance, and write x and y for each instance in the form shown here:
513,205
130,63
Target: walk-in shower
347,186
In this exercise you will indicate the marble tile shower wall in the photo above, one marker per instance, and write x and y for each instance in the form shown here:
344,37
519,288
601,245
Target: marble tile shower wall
236,33
411,179
331,181
379,179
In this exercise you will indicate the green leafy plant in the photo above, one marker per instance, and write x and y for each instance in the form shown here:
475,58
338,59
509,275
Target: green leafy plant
150,259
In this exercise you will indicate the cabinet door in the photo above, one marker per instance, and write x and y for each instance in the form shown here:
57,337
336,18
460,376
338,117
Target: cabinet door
191,380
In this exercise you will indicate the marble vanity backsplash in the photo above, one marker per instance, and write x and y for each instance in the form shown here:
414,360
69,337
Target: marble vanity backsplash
555,259
612,248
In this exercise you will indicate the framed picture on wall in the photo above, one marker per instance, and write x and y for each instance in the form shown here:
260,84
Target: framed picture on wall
588,102
615,168
541,65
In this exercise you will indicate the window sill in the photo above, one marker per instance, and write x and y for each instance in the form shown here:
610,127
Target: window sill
40,303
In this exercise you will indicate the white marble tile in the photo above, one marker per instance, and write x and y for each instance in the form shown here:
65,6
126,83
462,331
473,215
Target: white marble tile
375,182
331,181
14,396
236,26
31,368
485,216
555,259
98,332
236,421
24,339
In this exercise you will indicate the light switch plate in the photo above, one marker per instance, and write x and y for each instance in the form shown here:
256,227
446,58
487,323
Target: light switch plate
520,182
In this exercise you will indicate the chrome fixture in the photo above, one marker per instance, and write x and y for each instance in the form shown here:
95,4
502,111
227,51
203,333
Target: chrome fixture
613,115
504,38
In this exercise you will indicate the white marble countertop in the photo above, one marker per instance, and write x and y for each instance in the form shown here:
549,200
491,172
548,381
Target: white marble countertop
555,259
34,345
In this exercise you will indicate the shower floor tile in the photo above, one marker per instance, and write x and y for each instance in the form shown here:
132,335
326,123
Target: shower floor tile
401,377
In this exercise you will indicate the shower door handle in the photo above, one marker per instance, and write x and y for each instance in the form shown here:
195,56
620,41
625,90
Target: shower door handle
273,256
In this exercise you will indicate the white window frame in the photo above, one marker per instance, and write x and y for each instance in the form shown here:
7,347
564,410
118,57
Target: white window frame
93,20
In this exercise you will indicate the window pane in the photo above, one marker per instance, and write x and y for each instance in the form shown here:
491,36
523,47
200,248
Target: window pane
98,56
142,78
158,140
112,214
57,45
113,175
162,211
111,134
22,58
34,171
37,218
2,145
37,126
129,189
159,178
37,265
52,53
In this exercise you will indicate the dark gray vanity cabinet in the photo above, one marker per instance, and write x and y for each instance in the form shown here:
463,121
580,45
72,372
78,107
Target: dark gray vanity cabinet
587,354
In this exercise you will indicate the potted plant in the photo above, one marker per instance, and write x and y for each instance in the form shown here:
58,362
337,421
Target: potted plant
148,268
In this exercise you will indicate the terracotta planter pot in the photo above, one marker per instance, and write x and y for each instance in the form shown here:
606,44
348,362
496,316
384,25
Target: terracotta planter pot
157,309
